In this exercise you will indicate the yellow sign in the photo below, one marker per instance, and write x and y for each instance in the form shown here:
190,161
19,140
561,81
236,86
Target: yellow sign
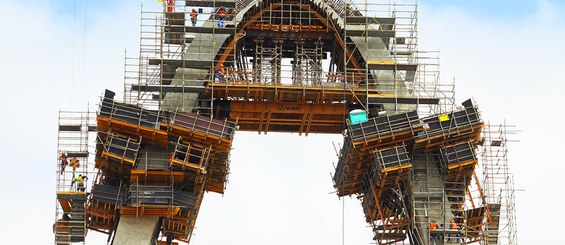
443,117
160,1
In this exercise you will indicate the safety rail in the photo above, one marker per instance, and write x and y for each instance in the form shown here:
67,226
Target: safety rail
139,195
119,148
192,156
447,127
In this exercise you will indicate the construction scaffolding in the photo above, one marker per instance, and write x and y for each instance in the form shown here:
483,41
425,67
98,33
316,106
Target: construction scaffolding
207,68
296,66
499,184
154,167
72,171
412,175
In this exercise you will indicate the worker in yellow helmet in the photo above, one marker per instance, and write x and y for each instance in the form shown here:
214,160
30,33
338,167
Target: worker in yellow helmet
220,74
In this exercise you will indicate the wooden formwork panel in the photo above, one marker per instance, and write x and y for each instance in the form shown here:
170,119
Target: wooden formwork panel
178,225
190,156
296,117
150,135
144,210
220,144
111,166
186,166
126,161
476,217
156,176
61,226
472,133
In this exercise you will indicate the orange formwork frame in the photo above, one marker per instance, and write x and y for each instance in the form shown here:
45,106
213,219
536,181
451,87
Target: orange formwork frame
278,116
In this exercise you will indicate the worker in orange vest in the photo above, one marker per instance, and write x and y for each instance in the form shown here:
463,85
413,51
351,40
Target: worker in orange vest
171,6
433,226
221,16
220,73
453,226
193,17
64,162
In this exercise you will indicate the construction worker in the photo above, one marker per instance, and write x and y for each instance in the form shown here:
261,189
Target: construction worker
221,72
64,162
453,226
80,182
193,17
75,163
221,17
171,6
433,227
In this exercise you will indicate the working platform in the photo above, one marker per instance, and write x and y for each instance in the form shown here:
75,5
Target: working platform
191,156
380,193
204,29
211,3
458,161
363,140
451,127
248,91
72,226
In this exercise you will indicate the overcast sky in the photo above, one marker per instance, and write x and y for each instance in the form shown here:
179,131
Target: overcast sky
507,55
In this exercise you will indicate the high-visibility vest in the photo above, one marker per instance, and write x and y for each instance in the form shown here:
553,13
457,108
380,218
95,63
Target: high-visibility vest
453,226
222,13
433,226
171,5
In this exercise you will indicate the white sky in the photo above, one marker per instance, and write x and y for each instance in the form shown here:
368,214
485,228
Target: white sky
279,190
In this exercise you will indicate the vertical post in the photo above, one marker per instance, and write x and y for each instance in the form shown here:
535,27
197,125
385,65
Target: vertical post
276,62
257,64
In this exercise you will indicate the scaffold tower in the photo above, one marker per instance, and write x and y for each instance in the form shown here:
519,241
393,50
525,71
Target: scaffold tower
208,68
72,165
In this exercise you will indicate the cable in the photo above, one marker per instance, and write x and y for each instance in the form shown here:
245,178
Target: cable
73,54
343,221
83,53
